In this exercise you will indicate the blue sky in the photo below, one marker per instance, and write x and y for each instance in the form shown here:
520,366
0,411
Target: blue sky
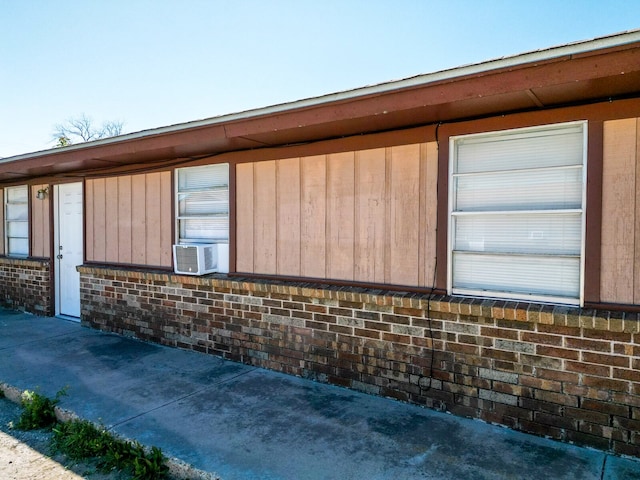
151,63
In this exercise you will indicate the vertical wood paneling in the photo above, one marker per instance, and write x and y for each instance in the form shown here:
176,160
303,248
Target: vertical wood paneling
89,221
153,214
2,240
618,211
244,217
40,223
404,216
166,219
124,219
340,216
428,212
370,202
367,216
288,211
264,218
138,219
99,220
129,219
636,253
313,216
111,220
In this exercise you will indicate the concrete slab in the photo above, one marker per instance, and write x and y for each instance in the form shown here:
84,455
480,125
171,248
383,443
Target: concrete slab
246,423
617,468
265,425
17,328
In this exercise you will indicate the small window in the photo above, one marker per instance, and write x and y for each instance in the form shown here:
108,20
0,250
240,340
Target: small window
16,203
517,214
202,204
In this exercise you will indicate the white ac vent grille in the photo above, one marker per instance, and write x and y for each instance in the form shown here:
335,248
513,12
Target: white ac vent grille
195,259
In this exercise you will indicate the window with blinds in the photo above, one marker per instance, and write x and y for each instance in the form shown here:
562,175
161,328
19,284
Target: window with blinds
202,204
517,213
16,203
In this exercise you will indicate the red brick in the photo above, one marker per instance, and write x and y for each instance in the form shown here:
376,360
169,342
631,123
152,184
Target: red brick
541,384
592,345
500,354
605,383
602,359
361,332
542,429
566,377
508,334
590,416
554,397
625,374
607,335
556,352
555,421
542,338
558,330
608,408
580,367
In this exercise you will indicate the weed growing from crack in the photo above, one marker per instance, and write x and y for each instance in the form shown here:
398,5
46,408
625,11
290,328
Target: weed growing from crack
79,439
38,410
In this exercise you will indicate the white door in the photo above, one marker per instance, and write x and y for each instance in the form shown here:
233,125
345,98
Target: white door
68,253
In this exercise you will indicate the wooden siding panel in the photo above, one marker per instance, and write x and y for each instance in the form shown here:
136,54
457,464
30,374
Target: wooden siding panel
428,212
88,220
636,255
99,220
153,215
166,219
40,223
404,218
340,216
288,221
111,220
618,211
244,217
138,219
124,219
313,216
370,174
264,218
2,239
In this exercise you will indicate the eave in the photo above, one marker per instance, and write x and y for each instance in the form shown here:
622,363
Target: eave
581,73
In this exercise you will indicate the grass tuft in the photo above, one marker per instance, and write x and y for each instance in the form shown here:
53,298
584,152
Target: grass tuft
81,440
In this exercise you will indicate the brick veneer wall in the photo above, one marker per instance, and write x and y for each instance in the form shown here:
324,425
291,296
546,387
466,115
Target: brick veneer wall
26,285
565,373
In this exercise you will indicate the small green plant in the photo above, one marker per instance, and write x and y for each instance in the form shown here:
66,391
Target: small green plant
38,410
79,439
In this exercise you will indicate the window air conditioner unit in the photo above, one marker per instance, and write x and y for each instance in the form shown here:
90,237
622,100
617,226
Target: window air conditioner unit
195,259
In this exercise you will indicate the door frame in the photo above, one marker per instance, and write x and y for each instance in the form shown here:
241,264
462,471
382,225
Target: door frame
56,245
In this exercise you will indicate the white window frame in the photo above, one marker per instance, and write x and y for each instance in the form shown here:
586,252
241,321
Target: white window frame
9,220
453,214
218,193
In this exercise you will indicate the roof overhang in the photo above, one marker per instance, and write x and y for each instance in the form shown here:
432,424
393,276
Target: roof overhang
580,73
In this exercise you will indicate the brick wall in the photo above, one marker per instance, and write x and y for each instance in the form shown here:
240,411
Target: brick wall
565,373
26,285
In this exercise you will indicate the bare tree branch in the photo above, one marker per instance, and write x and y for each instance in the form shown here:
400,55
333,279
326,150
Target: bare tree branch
81,129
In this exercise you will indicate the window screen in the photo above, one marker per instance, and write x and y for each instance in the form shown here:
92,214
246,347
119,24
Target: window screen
517,213
17,220
202,208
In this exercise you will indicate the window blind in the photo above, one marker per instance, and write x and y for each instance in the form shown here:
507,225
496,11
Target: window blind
17,220
517,213
202,198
